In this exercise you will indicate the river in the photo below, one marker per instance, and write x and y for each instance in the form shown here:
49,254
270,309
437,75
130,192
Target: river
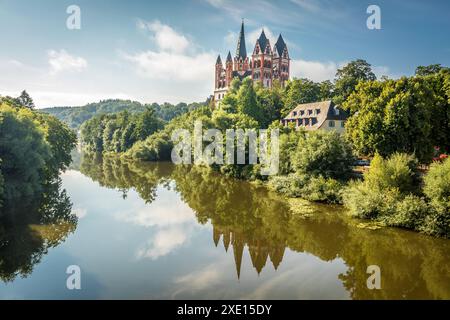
159,231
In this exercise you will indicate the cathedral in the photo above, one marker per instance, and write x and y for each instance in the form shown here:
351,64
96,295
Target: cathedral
266,64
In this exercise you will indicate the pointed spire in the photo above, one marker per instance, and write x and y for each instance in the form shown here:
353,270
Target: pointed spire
263,40
241,50
219,61
229,59
280,45
216,235
226,239
238,250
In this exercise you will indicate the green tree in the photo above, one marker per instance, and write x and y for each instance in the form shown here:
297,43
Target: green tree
25,100
348,77
408,115
430,70
247,101
300,91
324,153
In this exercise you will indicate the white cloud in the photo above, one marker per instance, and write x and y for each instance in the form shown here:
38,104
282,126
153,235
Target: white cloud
61,60
174,60
79,212
165,37
164,215
231,39
309,5
164,242
174,66
313,70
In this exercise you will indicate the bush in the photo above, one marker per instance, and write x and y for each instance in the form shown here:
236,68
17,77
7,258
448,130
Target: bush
399,171
409,213
312,188
323,153
386,195
368,203
437,190
157,147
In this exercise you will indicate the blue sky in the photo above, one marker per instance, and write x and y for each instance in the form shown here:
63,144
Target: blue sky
165,50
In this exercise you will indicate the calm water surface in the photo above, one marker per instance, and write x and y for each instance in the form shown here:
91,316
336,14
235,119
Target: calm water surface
156,231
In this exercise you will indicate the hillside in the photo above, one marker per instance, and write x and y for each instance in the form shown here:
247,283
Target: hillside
75,116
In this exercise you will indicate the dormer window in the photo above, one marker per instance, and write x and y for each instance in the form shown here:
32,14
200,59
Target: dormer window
317,111
336,111
302,112
294,114
310,112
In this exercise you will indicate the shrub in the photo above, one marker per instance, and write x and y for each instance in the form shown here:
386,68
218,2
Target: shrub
323,153
312,188
409,213
368,203
398,171
437,190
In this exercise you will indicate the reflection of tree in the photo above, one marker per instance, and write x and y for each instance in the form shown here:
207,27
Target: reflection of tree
117,173
28,230
243,214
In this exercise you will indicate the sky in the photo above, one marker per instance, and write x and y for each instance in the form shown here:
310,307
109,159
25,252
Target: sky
164,51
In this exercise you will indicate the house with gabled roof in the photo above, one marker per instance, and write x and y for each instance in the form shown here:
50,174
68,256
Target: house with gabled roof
317,115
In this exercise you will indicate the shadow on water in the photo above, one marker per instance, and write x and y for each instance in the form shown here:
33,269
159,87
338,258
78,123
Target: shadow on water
243,215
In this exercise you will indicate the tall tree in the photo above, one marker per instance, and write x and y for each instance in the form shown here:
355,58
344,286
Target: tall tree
25,100
300,91
429,70
348,77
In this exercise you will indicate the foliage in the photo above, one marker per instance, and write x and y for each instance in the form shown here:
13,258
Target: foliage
300,91
33,149
323,153
76,116
409,115
118,132
348,77
388,194
437,190
308,187
429,70
22,101
397,172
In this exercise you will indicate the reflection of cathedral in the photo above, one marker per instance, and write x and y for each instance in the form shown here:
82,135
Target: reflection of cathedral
259,250
266,65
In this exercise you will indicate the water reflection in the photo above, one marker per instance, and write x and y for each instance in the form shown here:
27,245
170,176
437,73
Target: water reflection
244,215
28,229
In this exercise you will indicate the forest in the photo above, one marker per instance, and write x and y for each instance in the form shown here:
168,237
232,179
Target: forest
74,117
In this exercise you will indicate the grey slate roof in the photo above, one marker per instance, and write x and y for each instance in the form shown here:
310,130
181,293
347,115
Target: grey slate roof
280,45
229,59
241,50
263,41
218,61
327,111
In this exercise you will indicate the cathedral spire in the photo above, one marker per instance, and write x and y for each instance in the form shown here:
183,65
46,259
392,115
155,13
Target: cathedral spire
218,61
229,59
241,50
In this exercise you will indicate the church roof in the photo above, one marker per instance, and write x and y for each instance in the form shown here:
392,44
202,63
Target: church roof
280,45
241,50
322,111
263,41
229,59
218,61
